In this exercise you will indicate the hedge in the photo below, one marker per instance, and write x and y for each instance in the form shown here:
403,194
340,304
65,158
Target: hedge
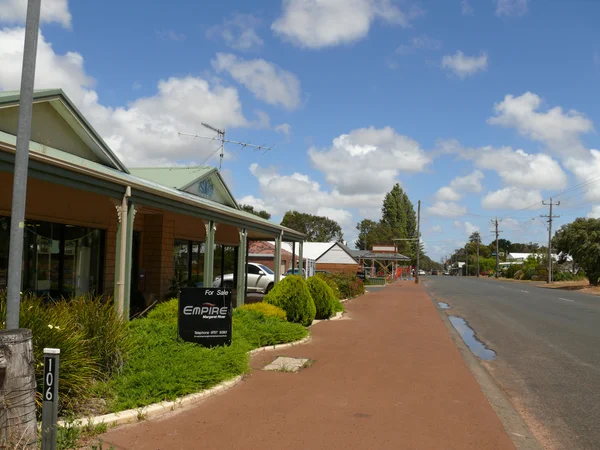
293,296
323,297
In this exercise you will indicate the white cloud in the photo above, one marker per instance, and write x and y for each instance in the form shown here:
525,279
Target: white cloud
284,128
327,23
257,203
463,65
368,160
170,35
594,213
511,198
342,216
436,229
466,8
466,227
515,167
15,11
511,7
587,170
238,32
418,43
446,209
145,131
265,80
460,185
447,194
559,130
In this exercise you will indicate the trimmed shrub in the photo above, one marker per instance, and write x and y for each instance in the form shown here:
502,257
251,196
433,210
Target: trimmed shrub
512,270
338,306
265,309
292,295
328,278
350,286
323,297
166,311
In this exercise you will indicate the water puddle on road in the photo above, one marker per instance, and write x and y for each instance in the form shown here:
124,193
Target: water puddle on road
444,305
466,332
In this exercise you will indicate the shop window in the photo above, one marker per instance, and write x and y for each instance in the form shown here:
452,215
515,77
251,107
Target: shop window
225,264
58,260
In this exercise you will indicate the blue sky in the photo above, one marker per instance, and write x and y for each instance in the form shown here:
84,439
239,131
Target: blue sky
479,108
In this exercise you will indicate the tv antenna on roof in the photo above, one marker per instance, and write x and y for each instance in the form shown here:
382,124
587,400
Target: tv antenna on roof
221,137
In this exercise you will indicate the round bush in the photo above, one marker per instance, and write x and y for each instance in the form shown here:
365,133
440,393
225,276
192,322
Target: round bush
265,309
293,296
323,297
331,283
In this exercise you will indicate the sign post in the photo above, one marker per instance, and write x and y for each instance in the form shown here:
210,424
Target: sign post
50,398
205,316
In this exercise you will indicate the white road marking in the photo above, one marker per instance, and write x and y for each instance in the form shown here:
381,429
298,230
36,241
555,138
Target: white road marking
527,292
566,300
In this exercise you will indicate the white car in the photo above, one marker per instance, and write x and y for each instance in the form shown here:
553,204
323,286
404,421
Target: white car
260,279
421,272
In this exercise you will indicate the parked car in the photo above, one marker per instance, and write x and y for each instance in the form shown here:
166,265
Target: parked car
434,272
446,273
421,272
260,279
296,272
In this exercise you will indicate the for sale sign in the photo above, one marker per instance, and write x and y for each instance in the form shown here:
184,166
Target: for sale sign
205,316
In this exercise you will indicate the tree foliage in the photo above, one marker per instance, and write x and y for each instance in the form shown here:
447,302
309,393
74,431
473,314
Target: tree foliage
316,228
256,212
581,240
398,221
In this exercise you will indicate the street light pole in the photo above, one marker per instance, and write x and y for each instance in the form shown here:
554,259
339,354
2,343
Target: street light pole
19,194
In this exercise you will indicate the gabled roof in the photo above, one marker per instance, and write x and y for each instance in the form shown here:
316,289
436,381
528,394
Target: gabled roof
67,110
173,177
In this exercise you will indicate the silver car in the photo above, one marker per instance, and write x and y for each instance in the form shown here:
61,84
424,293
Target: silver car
260,279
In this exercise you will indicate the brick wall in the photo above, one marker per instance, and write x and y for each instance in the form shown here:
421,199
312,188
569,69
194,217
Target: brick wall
339,268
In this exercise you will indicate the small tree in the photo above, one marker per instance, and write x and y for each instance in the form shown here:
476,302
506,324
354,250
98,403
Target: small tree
581,240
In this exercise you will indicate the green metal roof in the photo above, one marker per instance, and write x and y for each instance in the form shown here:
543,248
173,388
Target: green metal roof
175,199
8,98
175,177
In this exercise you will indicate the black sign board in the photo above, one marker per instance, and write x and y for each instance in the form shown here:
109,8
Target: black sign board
49,378
205,316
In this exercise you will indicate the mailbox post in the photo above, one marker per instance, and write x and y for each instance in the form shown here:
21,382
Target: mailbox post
50,398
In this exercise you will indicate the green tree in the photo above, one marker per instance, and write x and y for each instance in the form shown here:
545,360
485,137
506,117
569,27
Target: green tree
368,234
316,228
399,220
581,240
250,209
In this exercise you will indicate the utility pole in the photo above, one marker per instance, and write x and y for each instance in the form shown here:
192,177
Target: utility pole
418,241
18,424
478,242
467,258
495,222
550,217
19,194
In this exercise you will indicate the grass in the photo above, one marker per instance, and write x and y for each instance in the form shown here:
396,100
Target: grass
162,367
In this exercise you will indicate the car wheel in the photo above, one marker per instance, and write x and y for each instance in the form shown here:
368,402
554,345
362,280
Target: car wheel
269,287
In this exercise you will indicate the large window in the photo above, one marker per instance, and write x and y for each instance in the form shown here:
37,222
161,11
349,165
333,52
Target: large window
58,260
189,264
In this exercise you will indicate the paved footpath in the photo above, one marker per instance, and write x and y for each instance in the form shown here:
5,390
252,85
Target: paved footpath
387,376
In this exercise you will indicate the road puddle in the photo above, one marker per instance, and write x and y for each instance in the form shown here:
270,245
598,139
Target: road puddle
466,332
444,305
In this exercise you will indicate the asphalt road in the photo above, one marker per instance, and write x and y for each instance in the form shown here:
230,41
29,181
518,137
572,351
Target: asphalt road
548,352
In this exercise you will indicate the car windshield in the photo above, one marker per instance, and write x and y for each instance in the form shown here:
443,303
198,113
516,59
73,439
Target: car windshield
266,269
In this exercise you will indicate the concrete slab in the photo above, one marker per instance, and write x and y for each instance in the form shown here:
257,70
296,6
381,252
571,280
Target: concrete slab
285,364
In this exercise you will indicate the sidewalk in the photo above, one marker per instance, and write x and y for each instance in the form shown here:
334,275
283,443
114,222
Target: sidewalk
388,376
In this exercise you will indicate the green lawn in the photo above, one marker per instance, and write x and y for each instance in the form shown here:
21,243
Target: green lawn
162,367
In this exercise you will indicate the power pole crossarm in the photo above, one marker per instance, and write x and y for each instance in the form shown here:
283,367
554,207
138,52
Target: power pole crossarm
550,217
